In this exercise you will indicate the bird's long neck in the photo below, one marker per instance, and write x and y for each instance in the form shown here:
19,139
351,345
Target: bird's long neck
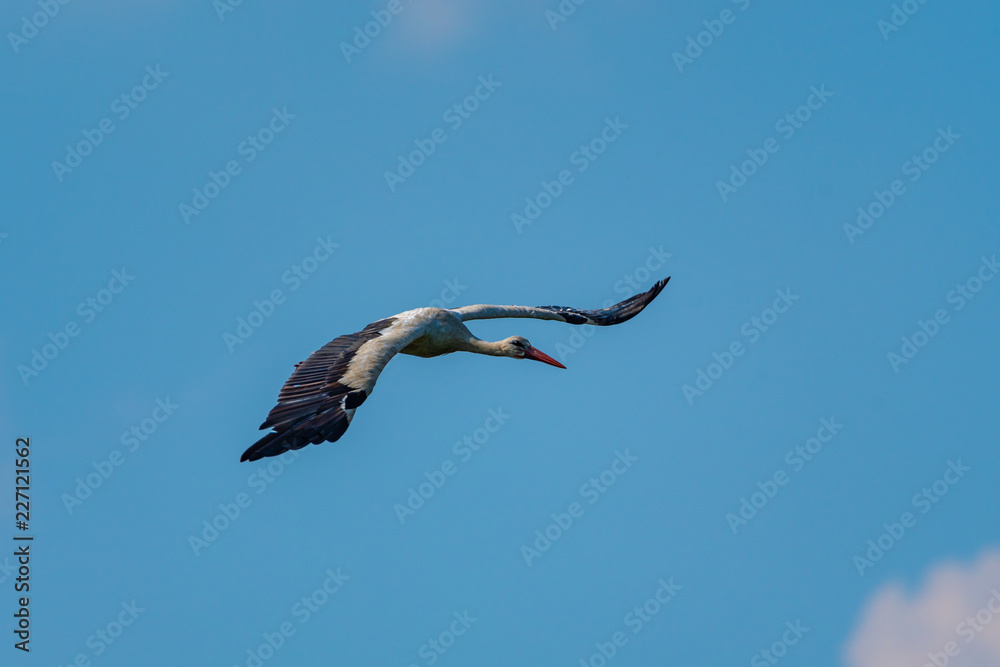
493,349
457,337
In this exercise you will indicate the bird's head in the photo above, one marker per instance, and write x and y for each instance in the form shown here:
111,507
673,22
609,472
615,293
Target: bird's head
519,348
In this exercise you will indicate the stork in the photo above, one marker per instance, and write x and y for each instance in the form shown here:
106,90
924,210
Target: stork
317,402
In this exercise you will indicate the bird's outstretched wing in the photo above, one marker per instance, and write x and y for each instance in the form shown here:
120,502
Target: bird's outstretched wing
317,402
615,314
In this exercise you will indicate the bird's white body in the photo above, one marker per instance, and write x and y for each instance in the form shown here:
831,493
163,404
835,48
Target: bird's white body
441,332
422,332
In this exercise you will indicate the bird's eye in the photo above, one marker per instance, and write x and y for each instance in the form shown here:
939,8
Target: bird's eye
518,343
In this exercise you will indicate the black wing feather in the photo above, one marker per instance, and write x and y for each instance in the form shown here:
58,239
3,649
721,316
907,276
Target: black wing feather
616,314
312,402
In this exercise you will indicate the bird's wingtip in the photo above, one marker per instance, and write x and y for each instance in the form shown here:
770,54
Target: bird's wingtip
263,447
658,286
251,454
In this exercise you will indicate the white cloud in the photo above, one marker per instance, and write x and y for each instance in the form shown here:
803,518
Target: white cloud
436,26
957,609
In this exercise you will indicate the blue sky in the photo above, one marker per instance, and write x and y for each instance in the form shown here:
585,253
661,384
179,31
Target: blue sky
177,169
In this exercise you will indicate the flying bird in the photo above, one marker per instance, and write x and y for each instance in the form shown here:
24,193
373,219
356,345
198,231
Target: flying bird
318,401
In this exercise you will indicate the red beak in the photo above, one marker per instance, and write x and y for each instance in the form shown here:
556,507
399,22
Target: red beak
537,355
